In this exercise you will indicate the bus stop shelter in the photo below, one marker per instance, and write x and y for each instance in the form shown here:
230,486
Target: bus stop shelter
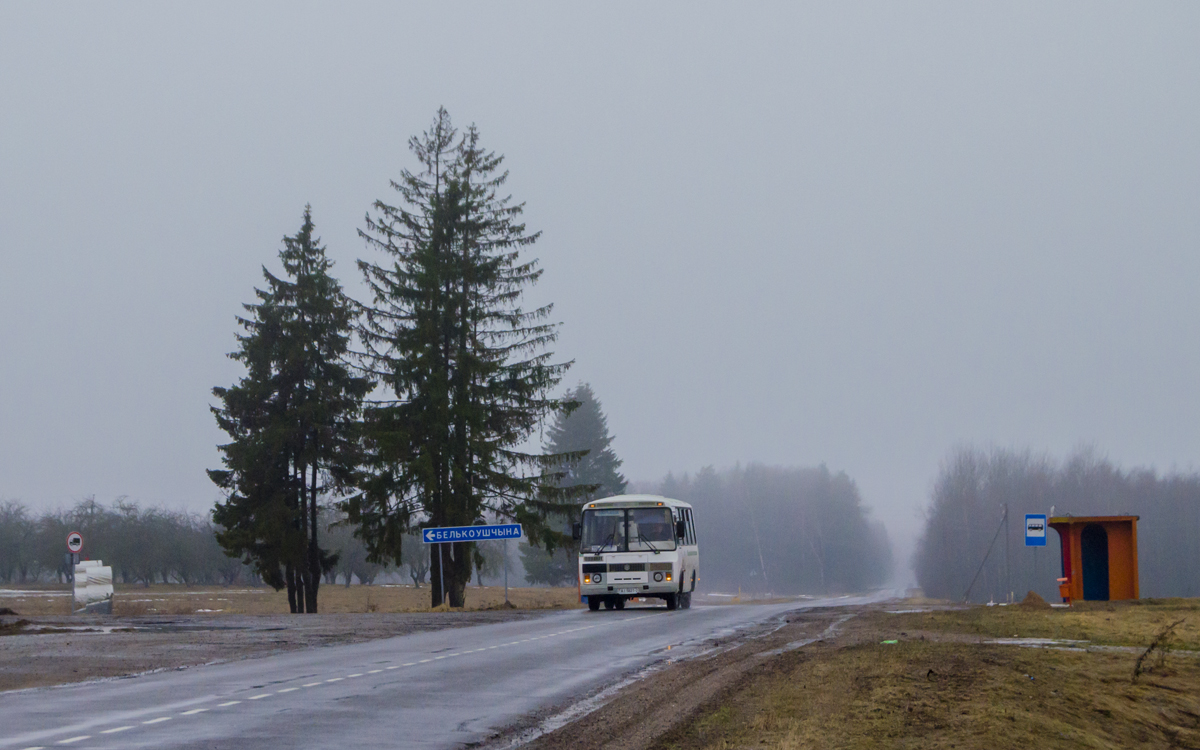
1099,557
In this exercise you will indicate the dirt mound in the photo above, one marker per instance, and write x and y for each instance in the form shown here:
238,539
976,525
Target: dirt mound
1033,601
501,605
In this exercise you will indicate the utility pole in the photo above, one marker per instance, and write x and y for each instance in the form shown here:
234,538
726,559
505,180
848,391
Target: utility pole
1007,542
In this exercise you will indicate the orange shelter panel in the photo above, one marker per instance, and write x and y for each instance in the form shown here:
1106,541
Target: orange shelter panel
1122,553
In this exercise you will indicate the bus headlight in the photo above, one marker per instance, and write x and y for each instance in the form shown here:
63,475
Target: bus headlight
658,577
594,579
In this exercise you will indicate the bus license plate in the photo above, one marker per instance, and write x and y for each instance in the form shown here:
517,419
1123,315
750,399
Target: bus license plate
627,591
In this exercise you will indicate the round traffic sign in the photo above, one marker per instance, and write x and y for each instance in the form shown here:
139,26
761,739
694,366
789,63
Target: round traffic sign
74,541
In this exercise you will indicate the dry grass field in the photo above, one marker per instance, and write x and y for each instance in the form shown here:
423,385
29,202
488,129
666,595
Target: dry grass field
242,600
932,680
1103,623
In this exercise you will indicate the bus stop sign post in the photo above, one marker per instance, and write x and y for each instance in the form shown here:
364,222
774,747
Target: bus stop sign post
440,536
1035,536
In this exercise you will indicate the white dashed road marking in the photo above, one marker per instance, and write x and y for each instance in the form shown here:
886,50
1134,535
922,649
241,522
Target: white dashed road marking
226,704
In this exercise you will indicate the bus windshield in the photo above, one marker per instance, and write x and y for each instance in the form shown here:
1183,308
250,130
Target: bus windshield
628,530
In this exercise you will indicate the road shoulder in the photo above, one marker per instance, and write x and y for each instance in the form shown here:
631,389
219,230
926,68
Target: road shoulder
887,676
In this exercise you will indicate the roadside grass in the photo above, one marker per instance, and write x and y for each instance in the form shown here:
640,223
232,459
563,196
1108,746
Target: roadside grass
171,599
922,692
1129,623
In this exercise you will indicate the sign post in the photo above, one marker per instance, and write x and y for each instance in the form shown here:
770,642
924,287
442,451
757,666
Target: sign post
74,545
1035,536
91,580
450,534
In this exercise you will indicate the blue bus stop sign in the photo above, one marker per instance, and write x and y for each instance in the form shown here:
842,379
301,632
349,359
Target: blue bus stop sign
1035,530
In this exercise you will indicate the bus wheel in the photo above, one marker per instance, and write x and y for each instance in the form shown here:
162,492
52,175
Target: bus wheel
672,601
609,603
594,603
620,603
685,600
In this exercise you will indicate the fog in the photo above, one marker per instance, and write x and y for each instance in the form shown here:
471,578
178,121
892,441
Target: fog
856,235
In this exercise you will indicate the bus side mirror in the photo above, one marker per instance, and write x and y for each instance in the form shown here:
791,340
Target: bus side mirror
681,529
576,531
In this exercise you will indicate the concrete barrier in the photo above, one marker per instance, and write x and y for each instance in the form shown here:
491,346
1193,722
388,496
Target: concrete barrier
93,588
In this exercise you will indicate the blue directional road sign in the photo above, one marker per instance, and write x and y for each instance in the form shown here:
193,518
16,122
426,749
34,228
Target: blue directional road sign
471,533
1035,530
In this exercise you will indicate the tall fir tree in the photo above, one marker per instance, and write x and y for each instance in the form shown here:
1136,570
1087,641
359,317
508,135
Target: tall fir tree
467,366
293,421
581,432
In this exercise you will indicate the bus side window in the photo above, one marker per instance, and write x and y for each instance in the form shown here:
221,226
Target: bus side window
691,529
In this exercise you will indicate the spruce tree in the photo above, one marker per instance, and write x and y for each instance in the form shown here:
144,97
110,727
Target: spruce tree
257,522
581,432
293,420
584,430
468,368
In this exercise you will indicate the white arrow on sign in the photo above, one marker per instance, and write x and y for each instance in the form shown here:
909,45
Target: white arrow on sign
428,536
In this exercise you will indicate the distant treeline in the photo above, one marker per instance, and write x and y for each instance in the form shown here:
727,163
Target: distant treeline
786,531
146,545
143,545
973,486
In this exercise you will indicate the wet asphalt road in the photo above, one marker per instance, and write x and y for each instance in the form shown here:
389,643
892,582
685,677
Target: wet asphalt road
440,689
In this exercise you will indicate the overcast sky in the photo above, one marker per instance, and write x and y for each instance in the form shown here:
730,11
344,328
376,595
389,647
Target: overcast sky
853,233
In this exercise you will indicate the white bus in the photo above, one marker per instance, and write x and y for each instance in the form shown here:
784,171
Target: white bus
637,546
